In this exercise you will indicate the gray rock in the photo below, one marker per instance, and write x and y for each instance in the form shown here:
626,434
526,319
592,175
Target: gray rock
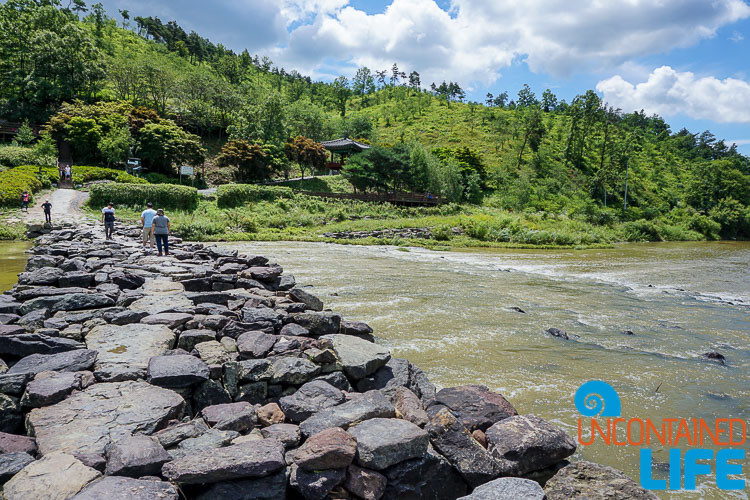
526,443
12,463
125,488
238,417
475,405
9,306
7,319
212,352
260,315
33,320
318,323
124,351
255,344
46,291
87,421
508,488
10,413
338,380
68,302
399,373
556,332
249,459
311,301
128,317
136,456
182,370
209,440
41,276
14,383
365,483
271,487
76,279
468,457
358,357
51,389
57,476
287,434
190,338
372,404
315,485
39,261
294,330
12,330
309,399
356,328
171,320
329,449
382,442
71,361
31,343
254,392
210,392
594,482
172,435
294,371
430,476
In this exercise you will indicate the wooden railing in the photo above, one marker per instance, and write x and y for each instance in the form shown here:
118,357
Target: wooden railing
396,198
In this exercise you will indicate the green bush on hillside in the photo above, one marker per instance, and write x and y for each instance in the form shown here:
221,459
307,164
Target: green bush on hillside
234,195
165,196
13,183
14,156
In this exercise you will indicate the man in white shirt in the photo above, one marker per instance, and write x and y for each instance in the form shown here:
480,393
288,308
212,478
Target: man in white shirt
147,218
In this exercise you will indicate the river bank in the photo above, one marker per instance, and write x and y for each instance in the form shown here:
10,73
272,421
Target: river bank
244,383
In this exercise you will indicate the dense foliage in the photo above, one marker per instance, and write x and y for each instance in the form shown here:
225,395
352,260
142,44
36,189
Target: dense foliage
151,89
165,196
234,195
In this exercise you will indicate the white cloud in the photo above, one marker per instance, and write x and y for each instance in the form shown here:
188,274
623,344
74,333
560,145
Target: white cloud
479,38
669,92
736,37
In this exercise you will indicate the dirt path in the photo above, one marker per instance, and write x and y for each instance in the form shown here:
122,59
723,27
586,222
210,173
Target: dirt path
66,207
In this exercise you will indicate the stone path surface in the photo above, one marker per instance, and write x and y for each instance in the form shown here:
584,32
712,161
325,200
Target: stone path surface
209,373
66,207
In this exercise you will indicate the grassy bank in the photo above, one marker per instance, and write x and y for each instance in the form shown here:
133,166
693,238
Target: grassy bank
275,214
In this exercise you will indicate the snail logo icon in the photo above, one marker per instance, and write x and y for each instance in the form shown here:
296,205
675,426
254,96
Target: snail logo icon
596,398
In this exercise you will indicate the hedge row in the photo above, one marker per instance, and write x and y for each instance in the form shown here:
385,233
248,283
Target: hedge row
13,183
234,195
14,156
165,196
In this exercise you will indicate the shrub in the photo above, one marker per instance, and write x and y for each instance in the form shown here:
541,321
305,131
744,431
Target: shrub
13,183
443,232
14,156
157,178
137,195
234,195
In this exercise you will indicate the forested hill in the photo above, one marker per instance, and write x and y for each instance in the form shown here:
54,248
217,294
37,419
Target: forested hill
516,151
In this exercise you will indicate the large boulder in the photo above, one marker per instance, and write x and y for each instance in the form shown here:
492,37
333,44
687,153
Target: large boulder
311,301
372,404
288,434
68,302
57,476
255,344
31,343
126,488
359,358
190,338
315,485
594,482
508,488
382,442
430,476
526,443
71,361
309,399
41,276
329,449
318,323
87,421
52,387
124,351
409,407
468,457
248,459
136,456
295,371
272,487
177,370
475,405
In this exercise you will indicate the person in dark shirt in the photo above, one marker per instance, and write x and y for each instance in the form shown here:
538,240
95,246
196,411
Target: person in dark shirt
108,218
47,207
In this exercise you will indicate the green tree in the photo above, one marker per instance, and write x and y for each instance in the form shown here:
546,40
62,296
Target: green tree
306,153
251,161
164,144
115,146
24,134
340,93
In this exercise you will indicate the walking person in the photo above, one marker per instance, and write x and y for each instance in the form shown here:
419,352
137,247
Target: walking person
47,207
147,218
25,197
161,231
68,173
108,218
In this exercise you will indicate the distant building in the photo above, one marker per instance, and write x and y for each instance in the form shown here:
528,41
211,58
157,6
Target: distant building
344,148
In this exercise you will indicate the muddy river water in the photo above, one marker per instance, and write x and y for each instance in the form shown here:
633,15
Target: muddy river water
451,313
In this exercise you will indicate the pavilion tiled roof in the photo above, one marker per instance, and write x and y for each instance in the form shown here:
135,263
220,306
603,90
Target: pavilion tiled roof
344,144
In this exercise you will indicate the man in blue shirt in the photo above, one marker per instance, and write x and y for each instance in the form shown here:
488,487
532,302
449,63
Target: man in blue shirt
108,218
147,218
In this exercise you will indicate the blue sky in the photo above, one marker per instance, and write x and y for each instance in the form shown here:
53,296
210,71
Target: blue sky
686,60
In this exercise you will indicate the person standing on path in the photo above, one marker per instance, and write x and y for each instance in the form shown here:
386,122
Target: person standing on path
68,172
161,231
25,201
47,207
108,218
147,218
